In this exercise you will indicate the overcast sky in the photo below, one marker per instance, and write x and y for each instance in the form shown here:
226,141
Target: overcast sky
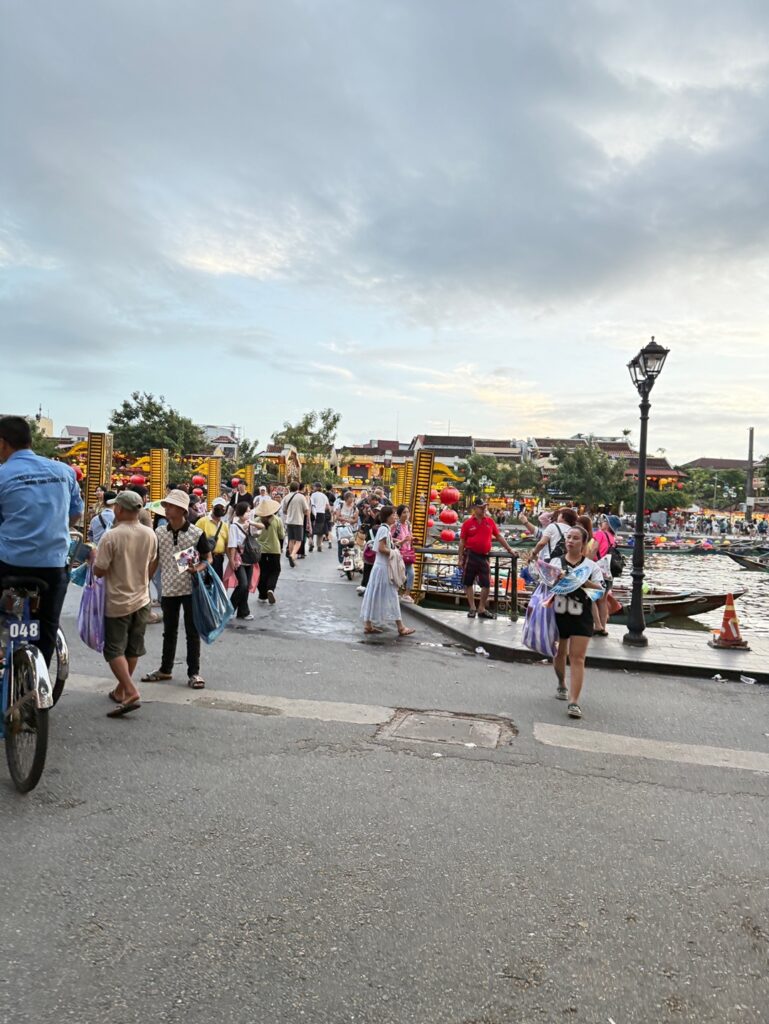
418,212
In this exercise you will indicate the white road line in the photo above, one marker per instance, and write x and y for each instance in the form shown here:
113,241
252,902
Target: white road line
290,707
577,738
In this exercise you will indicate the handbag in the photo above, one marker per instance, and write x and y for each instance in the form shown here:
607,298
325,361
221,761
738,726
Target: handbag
540,632
408,555
396,570
211,608
90,615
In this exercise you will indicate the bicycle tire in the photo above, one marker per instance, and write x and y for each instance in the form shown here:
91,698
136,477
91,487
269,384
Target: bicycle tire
25,725
61,676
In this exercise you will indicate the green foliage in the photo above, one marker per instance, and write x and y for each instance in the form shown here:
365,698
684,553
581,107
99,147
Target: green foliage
473,469
313,435
588,476
143,422
726,486
42,445
518,479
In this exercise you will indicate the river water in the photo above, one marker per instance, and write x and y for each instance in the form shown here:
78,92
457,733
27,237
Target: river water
715,573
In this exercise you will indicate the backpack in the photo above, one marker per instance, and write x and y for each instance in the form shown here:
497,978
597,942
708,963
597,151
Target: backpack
252,550
616,563
559,551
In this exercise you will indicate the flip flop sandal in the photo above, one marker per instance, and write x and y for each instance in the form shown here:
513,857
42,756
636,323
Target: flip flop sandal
373,629
406,632
156,677
112,697
196,683
123,709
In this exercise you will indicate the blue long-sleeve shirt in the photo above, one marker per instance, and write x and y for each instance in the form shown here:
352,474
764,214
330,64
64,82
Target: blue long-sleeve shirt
37,498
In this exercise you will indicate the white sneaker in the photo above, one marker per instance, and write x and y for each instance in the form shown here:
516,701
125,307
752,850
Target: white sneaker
361,590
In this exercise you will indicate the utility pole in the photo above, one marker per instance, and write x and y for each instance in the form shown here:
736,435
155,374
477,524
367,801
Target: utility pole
749,499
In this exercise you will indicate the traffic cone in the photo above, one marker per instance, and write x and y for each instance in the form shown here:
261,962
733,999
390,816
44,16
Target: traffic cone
729,637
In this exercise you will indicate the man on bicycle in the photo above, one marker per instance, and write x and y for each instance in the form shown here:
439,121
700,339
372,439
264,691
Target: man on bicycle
39,501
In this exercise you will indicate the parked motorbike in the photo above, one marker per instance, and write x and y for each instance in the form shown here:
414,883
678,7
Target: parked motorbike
352,556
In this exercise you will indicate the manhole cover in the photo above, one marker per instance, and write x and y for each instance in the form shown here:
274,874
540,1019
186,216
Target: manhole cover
488,731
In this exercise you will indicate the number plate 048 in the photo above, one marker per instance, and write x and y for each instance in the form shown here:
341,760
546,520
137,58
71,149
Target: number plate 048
24,630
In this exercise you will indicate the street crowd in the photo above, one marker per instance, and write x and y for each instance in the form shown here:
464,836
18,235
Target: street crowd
243,538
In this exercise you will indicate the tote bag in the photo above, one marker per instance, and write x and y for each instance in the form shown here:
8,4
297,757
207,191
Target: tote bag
540,632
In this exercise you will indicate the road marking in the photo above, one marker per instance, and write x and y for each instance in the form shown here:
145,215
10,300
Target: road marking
290,707
576,738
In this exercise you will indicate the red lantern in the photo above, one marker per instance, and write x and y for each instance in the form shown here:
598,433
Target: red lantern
433,495
198,491
449,495
432,510
430,524
680,487
198,480
448,516
235,481
138,479
447,535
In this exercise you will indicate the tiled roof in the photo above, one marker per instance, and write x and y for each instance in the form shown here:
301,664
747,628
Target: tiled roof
707,463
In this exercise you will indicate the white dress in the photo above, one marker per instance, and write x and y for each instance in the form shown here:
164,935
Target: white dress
380,602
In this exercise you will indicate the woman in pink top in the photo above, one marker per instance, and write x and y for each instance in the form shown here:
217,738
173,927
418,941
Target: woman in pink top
403,539
605,539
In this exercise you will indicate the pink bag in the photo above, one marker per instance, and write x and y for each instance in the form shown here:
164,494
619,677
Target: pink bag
409,556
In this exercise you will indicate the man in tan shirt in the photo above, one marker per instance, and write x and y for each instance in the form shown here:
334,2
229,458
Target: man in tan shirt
126,557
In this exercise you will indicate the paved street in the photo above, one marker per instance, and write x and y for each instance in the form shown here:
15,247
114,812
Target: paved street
262,851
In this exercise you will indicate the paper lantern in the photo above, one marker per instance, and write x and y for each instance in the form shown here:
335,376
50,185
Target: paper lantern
430,524
448,535
198,491
432,510
448,516
198,480
235,481
449,495
138,479
433,495
680,487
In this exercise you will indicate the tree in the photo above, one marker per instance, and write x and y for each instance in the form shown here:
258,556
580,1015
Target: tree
520,478
143,422
720,488
590,477
41,443
474,469
313,435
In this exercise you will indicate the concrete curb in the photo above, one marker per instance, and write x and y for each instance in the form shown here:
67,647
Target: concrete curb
515,653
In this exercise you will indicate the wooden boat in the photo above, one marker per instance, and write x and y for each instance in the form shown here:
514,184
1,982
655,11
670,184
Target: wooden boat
751,564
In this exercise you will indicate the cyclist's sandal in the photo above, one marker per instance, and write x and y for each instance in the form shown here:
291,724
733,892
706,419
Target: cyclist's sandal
156,677
122,709
196,682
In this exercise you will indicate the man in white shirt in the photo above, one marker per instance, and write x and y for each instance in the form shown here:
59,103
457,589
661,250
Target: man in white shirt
102,521
263,495
295,510
318,507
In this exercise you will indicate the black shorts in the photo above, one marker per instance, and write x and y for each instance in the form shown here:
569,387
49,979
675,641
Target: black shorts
319,525
573,616
295,531
476,568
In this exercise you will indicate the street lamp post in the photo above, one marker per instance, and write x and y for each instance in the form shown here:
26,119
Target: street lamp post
644,370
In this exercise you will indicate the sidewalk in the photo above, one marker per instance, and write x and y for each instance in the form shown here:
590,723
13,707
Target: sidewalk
678,652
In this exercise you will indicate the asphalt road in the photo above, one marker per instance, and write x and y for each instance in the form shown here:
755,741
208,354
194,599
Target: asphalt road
244,859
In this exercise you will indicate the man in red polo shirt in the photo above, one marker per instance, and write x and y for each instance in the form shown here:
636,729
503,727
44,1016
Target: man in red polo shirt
475,539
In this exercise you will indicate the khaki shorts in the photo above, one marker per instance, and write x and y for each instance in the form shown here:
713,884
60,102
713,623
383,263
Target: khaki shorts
124,634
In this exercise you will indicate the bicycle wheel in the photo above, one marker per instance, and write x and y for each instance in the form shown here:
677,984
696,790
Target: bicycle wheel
26,727
61,659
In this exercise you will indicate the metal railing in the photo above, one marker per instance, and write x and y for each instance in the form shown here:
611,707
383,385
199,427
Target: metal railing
442,580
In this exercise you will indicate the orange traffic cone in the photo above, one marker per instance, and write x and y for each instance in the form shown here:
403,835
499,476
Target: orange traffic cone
729,637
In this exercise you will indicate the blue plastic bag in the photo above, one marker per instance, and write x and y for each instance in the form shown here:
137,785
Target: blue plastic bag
80,575
540,632
90,616
211,607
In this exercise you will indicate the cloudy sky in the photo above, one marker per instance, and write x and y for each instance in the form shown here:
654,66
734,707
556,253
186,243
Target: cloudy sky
419,212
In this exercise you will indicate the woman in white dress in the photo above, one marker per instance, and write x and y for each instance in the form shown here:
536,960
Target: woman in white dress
380,602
